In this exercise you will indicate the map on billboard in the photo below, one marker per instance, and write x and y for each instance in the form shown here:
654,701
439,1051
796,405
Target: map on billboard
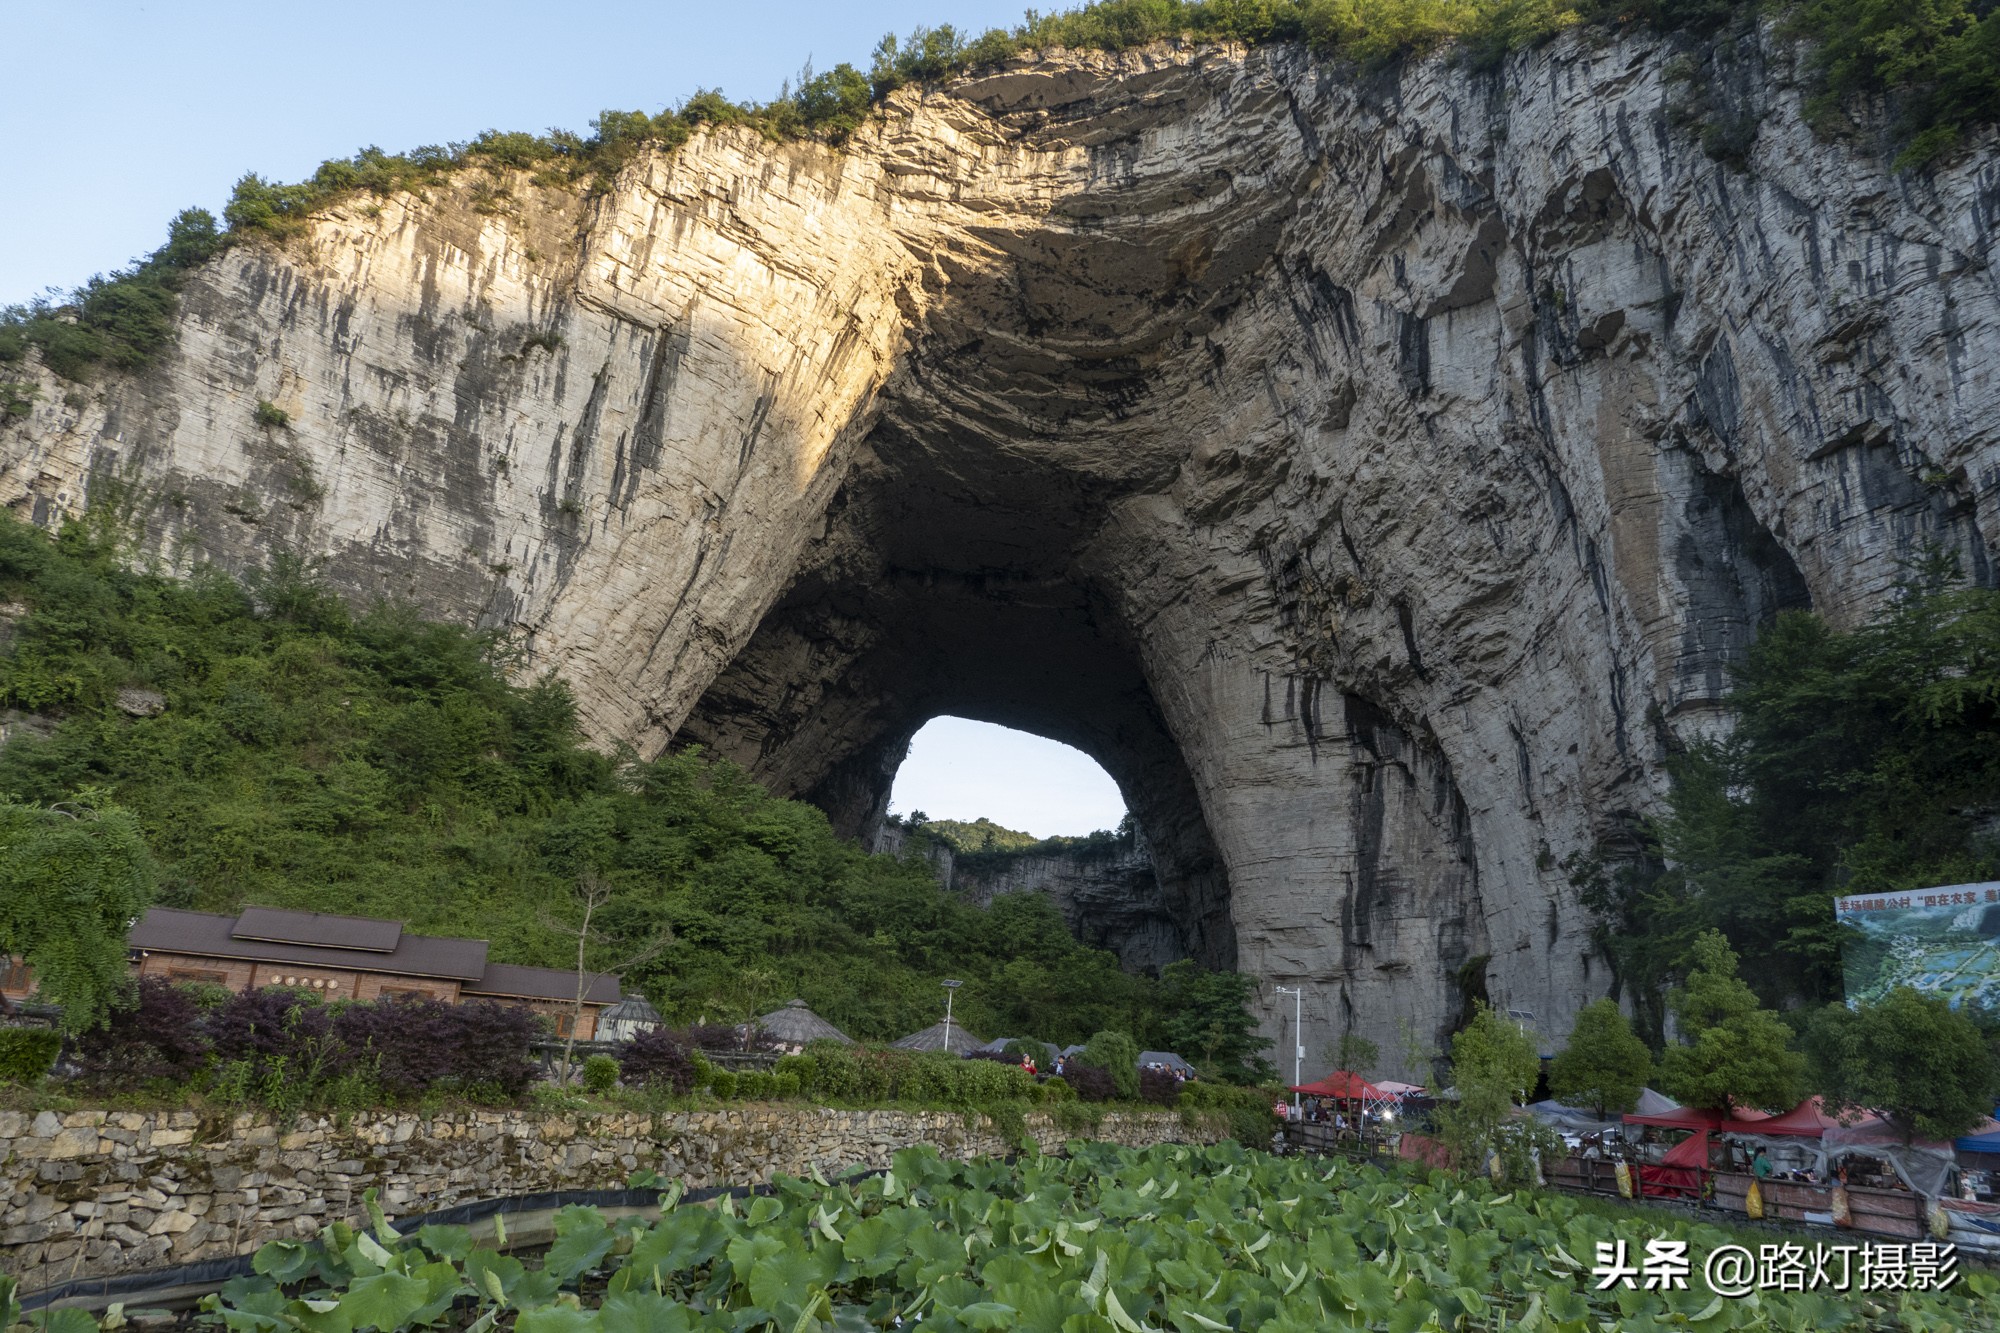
1942,941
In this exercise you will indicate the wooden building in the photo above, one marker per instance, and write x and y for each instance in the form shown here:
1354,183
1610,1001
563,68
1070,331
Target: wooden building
352,958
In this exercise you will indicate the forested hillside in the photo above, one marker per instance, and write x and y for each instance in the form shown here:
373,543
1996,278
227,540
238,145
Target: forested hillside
1861,762
378,764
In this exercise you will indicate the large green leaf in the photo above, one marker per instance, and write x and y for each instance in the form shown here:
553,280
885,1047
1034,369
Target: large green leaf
385,1300
583,1238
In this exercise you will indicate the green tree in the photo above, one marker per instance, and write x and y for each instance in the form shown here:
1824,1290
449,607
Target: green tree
73,879
1860,763
1604,1065
1207,1019
1355,1053
1118,1055
1493,1066
1735,1053
1925,1067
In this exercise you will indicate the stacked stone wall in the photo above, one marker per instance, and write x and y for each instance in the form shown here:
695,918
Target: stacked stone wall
91,1193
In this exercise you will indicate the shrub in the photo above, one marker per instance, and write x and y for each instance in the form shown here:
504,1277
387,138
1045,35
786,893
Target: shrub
600,1073
1159,1086
723,1083
26,1054
262,1028
491,1048
409,1041
785,1087
270,414
1117,1054
160,1036
1055,1090
704,1072
802,1068
754,1085
124,319
938,1076
1090,1083
660,1059
837,1074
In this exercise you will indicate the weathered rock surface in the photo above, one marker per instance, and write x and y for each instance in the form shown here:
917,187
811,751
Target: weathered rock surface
1374,474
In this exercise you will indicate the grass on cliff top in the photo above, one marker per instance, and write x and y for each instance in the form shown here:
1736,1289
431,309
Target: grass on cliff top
1935,64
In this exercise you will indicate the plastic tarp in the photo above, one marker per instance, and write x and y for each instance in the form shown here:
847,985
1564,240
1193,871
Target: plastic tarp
1654,1103
1679,1172
1924,1166
1986,1138
1395,1089
1571,1119
1697,1117
1166,1059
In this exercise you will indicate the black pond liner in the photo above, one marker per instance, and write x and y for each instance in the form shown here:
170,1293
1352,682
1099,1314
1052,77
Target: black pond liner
176,1282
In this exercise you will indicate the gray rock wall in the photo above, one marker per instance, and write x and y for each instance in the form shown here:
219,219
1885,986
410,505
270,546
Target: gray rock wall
1377,474
90,1193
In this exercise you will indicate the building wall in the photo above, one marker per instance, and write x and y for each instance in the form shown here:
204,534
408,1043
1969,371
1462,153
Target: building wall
335,983
89,1193
342,984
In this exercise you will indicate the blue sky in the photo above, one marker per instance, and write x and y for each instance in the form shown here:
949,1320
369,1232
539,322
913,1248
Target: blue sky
960,769
115,116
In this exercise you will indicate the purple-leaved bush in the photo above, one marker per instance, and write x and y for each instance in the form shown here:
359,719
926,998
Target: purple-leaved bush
657,1058
159,1037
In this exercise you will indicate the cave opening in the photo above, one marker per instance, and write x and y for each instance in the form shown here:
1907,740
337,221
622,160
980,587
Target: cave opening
1017,782
966,591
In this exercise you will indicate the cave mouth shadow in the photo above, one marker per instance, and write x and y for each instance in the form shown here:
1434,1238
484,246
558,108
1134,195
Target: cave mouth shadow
821,706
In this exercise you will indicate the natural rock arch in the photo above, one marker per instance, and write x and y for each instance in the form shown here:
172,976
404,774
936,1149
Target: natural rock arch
1376,476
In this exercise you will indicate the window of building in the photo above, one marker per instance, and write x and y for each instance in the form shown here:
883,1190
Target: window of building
197,976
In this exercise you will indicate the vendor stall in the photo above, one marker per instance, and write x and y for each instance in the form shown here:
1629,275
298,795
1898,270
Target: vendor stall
1679,1174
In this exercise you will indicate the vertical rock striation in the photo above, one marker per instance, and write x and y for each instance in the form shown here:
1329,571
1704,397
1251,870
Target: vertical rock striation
1376,474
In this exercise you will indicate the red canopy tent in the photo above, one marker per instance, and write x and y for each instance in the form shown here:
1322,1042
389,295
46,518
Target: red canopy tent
1679,1172
1806,1120
1340,1083
1699,1117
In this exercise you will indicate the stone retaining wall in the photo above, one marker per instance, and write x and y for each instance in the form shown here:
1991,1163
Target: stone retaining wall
89,1193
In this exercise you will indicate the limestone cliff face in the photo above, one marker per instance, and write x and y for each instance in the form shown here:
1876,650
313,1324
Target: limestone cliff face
1375,475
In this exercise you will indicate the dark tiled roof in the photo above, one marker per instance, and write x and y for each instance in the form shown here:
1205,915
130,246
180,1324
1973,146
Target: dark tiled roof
541,983
318,929
169,930
932,1038
797,1024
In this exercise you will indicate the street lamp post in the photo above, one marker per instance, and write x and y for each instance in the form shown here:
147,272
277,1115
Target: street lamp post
949,988
1298,1037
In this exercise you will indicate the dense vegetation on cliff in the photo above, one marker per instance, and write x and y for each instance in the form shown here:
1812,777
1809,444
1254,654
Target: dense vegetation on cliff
1935,67
381,765
1864,761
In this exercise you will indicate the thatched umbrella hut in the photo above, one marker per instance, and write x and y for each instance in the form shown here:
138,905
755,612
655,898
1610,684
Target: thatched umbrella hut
795,1025
932,1038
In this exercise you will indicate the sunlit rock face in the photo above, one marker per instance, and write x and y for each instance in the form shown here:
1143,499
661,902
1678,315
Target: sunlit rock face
1376,475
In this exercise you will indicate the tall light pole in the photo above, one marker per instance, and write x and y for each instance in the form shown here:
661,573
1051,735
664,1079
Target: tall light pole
1298,1037
949,988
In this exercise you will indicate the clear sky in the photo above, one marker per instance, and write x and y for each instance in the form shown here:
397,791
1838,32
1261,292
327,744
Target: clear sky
115,115
960,769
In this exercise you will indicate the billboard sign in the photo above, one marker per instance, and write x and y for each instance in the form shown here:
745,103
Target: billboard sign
1943,941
